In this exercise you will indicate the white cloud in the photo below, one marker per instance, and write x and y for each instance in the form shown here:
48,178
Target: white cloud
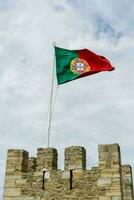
89,111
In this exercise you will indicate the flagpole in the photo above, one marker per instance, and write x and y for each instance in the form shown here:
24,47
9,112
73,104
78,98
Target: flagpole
50,102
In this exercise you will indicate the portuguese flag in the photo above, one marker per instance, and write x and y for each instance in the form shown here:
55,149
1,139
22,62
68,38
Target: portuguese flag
73,64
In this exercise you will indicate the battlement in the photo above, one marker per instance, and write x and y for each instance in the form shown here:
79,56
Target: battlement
33,178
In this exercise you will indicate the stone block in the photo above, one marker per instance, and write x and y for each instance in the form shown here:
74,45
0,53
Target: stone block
77,174
65,175
116,198
104,198
7,198
113,193
104,182
38,173
20,182
11,192
9,182
23,198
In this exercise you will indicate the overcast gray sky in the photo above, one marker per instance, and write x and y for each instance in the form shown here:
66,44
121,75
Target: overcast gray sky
94,110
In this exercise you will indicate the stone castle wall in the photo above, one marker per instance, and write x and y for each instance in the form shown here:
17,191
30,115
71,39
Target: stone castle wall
29,178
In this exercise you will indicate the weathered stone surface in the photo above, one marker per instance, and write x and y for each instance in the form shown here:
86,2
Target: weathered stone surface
75,158
23,198
104,182
9,182
116,198
127,182
32,164
66,175
11,192
47,158
104,198
39,179
17,161
78,173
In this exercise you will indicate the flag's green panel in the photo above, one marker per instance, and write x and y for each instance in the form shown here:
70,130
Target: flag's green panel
63,60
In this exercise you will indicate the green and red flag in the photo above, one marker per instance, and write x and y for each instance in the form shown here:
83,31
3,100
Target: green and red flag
73,64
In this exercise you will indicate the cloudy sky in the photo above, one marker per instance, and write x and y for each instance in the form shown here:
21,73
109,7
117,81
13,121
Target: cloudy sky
94,110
